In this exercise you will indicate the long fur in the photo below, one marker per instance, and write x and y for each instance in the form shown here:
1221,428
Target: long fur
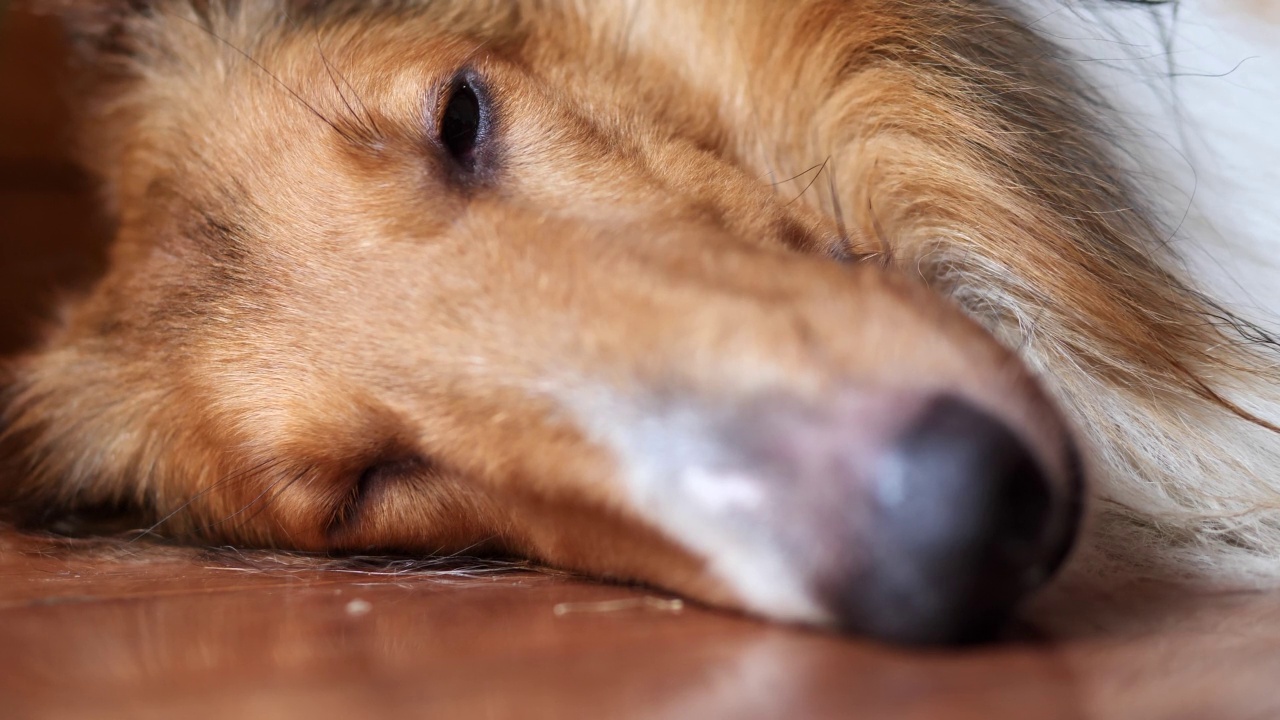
950,140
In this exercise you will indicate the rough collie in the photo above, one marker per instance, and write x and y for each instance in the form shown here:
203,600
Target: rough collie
854,313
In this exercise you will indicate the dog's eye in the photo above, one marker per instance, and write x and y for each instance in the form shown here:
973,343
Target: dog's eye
462,124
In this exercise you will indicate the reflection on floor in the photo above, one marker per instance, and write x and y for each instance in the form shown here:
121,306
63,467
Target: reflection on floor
132,630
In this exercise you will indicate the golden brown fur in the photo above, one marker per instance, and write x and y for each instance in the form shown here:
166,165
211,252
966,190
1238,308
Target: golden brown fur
313,335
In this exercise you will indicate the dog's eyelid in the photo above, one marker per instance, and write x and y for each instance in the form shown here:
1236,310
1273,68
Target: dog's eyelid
463,121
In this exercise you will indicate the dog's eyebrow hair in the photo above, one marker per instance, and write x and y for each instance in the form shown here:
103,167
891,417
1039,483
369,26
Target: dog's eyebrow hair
365,118
293,93
812,180
797,176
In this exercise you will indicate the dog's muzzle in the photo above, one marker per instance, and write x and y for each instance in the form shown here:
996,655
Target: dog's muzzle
912,518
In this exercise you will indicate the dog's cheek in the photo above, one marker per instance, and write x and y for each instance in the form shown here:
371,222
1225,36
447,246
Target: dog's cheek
611,541
423,506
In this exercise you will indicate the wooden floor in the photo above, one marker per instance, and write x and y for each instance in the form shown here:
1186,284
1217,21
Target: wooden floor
130,630
135,631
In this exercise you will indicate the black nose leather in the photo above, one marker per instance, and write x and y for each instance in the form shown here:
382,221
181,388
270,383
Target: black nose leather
964,525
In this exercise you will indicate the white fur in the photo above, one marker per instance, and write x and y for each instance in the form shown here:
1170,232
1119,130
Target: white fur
1235,150
1198,84
1197,89
678,478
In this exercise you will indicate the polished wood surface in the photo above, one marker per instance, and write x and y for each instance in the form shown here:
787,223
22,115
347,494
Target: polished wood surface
131,630
122,629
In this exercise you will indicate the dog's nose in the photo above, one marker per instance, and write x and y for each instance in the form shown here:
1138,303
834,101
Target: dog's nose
962,523
913,518
907,516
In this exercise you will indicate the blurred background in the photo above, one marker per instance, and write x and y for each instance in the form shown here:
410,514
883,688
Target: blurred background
51,237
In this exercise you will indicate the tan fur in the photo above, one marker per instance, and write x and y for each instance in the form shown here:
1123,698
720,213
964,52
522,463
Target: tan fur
298,294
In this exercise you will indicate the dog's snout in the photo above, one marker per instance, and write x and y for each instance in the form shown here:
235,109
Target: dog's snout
963,523
911,517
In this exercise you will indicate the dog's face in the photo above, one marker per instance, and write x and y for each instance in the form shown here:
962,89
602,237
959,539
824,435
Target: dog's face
418,283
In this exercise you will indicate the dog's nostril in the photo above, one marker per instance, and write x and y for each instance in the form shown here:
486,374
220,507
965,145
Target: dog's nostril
961,531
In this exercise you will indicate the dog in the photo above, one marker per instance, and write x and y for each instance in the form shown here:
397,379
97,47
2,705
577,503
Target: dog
848,314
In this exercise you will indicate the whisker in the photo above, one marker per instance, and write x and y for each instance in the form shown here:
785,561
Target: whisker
190,501
365,119
811,182
275,489
798,175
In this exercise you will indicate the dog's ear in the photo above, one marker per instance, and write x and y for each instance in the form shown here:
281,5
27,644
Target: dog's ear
108,22
101,28
103,31
116,39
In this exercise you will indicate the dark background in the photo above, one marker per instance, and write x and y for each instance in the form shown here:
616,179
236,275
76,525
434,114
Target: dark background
51,234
